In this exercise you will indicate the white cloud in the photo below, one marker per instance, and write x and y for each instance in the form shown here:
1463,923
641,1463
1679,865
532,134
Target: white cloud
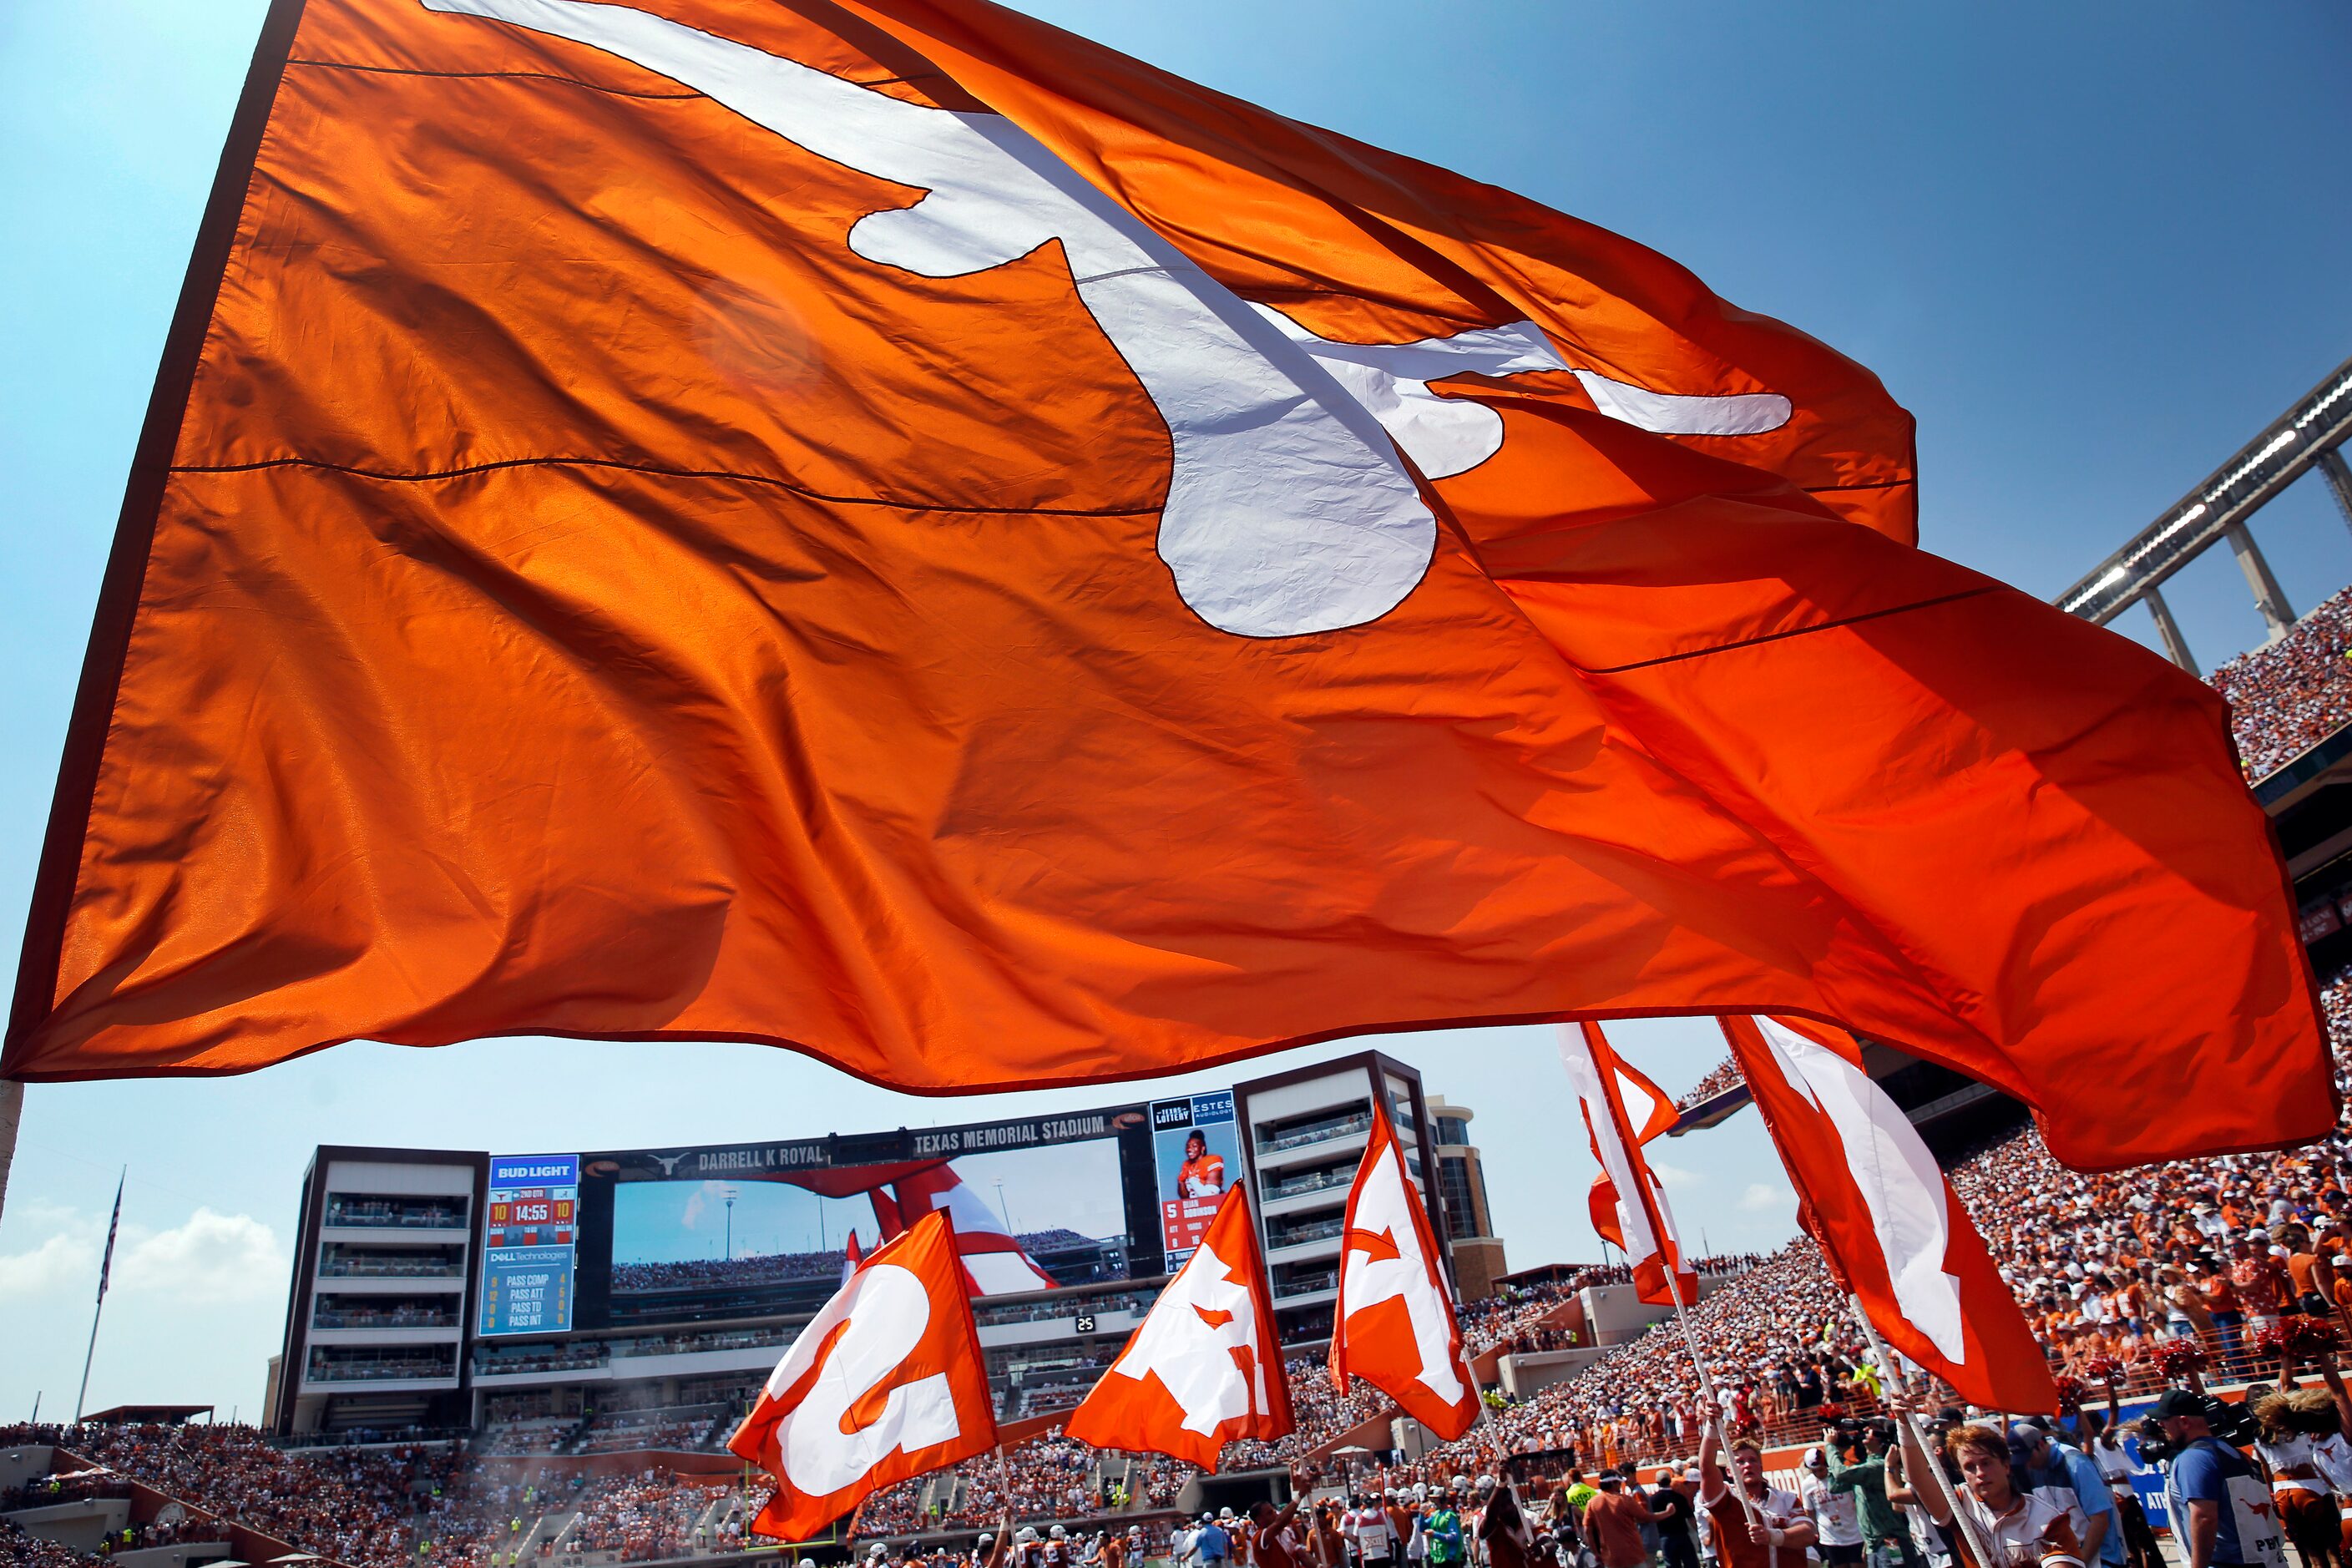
690,1216
1674,1176
212,1257
42,1215
59,1261
1759,1195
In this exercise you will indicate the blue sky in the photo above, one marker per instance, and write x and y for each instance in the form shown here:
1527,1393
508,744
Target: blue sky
2094,249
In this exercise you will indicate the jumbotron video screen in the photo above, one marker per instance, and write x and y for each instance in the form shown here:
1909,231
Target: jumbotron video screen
706,1234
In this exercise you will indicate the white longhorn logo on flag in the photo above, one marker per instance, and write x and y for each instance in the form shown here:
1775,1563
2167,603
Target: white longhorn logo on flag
887,1310
1383,1210
1898,1179
1204,1315
1287,510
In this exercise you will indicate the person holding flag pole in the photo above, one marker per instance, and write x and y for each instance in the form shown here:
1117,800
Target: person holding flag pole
1644,1222
1894,1236
1907,1414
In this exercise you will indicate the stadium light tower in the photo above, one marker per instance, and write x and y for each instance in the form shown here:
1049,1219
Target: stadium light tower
1000,1208
2311,434
727,1196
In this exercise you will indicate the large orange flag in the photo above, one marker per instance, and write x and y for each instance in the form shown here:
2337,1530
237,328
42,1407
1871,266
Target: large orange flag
884,528
1205,1367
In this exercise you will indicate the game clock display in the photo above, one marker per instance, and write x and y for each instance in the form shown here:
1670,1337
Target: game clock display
528,1231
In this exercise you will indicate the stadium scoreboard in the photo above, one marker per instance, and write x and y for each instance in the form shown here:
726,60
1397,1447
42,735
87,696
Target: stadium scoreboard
1197,1152
530,1234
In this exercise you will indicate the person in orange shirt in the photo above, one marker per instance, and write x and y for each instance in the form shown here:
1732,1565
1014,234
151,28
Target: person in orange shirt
2342,1292
2131,1300
2221,1306
1203,1174
1614,1524
2302,1271
1780,1531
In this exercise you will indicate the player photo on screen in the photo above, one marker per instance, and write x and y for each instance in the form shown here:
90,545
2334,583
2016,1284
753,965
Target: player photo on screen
1196,1165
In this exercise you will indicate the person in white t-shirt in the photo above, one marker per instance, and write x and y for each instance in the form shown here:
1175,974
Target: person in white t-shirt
1369,1534
2019,1529
1836,1515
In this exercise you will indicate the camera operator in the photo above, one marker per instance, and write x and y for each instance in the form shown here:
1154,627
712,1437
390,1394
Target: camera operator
2222,1514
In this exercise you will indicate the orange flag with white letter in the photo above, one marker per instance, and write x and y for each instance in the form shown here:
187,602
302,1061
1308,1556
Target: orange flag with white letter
1393,1323
1638,1218
1883,1212
887,1382
882,527
1205,1367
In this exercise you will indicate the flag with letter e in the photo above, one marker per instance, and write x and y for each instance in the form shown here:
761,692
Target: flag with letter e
886,1382
1205,1366
1637,1217
1394,1322
882,527
1882,1210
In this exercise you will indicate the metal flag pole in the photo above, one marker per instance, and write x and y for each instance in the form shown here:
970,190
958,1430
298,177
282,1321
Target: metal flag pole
105,1266
1942,1483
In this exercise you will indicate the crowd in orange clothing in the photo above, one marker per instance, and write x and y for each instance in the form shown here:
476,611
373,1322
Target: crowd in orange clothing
2109,1268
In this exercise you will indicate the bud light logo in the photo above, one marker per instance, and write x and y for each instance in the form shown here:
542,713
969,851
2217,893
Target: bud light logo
535,1171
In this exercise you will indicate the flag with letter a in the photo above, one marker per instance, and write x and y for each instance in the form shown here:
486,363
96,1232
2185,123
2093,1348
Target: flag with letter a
1205,1366
887,1382
1394,1322
638,497
1880,1209
1637,1218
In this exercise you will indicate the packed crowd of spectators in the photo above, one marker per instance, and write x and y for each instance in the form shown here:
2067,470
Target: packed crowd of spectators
364,1507
1723,1075
19,1550
643,1516
2287,698
767,1268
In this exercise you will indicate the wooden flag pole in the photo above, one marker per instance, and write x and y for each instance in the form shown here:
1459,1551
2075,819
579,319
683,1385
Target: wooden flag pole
1706,1388
1942,1482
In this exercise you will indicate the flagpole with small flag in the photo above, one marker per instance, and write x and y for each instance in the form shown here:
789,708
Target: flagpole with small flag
105,1267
